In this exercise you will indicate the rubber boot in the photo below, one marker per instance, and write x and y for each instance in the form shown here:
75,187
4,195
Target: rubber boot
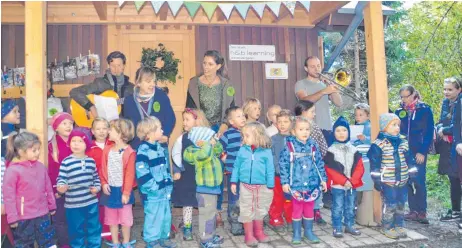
297,229
187,232
249,237
259,232
308,224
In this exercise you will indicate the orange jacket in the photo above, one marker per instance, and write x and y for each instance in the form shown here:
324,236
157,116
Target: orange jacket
128,160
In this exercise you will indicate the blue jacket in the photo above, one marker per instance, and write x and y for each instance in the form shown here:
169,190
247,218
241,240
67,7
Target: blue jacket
153,172
254,167
456,130
418,127
366,132
164,113
306,170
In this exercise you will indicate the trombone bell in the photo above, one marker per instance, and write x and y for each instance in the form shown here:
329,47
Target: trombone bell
342,78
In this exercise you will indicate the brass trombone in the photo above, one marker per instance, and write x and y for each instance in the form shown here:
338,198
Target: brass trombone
342,78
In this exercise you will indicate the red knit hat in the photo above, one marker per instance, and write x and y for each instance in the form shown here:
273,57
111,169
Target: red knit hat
58,118
81,134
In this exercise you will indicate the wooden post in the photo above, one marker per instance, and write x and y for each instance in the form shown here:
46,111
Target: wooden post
377,76
36,84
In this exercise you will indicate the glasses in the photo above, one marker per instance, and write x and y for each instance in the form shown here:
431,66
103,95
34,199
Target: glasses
405,97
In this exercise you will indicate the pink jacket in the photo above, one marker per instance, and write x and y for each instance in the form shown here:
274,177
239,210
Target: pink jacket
63,152
27,191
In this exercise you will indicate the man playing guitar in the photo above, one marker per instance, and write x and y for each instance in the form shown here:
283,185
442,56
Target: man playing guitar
114,79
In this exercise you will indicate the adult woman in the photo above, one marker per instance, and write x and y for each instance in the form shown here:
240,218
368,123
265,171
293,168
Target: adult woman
418,126
211,91
452,89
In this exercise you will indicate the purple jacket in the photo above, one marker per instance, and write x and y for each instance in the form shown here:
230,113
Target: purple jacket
27,191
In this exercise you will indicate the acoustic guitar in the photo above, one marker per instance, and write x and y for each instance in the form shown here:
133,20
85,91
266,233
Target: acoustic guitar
84,118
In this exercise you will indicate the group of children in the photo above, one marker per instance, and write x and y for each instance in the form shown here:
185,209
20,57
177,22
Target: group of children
281,170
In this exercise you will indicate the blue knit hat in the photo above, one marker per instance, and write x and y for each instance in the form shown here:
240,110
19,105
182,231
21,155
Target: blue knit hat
342,122
7,106
385,119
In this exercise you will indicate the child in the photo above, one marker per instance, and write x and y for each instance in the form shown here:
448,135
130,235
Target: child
362,112
184,188
28,193
302,176
273,111
10,118
155,183
99,129
117,179
78,179
7,235
202,152
344,167
252,109
58,150
307,110
254,169
365,194
148,100
231,142
391,176
280,205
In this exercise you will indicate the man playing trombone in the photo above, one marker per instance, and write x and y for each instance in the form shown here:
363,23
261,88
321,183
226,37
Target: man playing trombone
313,89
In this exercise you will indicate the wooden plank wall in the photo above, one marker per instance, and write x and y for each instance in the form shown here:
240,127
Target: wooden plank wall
249,77
62,41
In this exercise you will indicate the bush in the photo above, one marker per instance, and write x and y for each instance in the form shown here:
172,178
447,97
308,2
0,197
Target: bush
437,185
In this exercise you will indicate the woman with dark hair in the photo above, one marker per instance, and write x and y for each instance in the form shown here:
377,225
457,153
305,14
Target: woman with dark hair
452,89
211,91
418,126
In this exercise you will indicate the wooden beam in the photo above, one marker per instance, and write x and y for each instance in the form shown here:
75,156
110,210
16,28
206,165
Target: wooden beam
320,10
377,76
36,87
101,9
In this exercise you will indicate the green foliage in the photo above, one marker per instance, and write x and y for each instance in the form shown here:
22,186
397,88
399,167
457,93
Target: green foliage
437,185
431,36
166,73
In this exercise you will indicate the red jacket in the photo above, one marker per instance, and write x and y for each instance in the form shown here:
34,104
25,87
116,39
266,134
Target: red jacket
335,171
96,153
128,160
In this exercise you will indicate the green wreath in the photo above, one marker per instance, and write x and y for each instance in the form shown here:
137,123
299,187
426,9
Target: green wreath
163,63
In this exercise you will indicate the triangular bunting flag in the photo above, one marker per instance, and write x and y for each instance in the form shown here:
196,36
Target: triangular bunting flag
242,8
209,8
175,6
274,6
120,3
138,5
259,8
290,6
156,5
227,8
305,4
192,7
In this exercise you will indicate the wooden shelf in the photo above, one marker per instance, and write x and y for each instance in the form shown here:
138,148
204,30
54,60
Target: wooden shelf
61,90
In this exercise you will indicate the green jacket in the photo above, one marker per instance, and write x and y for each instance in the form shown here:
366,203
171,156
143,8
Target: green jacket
209,172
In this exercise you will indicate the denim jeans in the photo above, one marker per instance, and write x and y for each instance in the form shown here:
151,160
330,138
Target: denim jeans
418,201
343,207
394,199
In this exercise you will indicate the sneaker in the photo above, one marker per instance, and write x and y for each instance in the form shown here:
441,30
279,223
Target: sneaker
390,233
154,244
411,216
167,243
402,232
217,239
422,218
129,244
109,244
337,233
460,225
318,218
450,216
209,244
353,231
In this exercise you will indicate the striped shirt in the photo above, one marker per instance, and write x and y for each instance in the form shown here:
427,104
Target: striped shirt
79,174
115,169
231,141
3,173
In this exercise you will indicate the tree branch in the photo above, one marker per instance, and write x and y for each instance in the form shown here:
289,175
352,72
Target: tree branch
439,24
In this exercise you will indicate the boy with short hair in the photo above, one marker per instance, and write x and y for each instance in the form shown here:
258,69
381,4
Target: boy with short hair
280,204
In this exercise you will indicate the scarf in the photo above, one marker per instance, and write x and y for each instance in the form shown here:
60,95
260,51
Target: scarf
395,140
411,107
142,98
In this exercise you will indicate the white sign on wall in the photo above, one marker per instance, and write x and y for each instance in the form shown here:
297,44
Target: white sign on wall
252,52
276,71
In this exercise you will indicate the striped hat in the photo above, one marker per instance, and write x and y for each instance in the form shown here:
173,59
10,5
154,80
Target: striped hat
200,133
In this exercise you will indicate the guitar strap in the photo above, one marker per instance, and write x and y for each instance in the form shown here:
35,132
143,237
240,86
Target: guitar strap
114,85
